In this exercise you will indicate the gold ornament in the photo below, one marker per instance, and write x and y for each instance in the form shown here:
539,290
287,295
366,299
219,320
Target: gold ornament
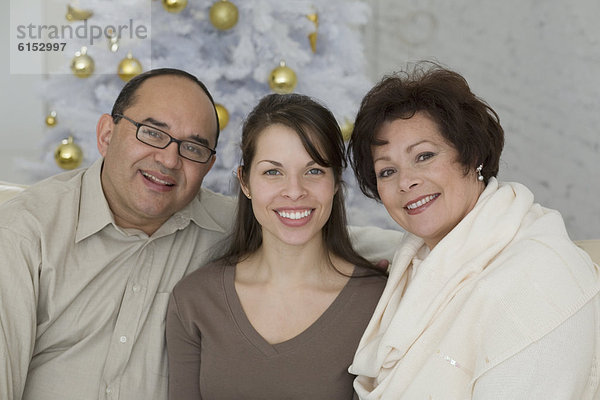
312,37
347,127
82,65
68,155
223,15
174,6
282,79
129,67
51,118
222,115
77,14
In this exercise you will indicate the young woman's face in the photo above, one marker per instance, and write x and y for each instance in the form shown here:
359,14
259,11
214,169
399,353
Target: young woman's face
419,179
291,194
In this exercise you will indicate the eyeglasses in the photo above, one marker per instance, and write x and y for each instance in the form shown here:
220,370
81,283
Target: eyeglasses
154,137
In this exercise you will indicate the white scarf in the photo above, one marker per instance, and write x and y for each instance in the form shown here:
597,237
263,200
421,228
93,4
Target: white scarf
384,362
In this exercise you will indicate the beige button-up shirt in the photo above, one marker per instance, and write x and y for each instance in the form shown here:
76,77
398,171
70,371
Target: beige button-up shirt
82,301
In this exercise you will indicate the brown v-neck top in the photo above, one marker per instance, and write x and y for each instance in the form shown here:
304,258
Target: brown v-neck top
215,353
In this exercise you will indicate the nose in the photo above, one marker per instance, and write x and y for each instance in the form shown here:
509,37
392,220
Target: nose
294,188
169,156
408,179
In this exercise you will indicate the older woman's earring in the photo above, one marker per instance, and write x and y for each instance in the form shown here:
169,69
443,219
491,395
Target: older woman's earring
478,170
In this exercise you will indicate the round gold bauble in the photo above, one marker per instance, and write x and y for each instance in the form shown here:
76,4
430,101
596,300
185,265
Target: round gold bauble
174,6
68,155
82,65
223,15
51,119
222,115
282,79
347,127
129,67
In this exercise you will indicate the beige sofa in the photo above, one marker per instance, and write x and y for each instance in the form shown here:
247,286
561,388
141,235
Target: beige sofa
8,190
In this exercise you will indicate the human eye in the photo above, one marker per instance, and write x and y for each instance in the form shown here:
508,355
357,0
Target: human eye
152,133
425,156
315,171
385,173
271,172
192,148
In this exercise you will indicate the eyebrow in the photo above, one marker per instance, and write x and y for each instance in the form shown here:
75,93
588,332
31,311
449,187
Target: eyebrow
278,164
408,150
412,146
158,124
164,125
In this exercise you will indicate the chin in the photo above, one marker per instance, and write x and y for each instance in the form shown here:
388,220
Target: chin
296,240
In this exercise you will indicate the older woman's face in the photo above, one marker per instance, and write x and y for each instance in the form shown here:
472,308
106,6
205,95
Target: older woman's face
419,179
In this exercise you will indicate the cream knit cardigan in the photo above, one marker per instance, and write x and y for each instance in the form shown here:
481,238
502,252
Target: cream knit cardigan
503,278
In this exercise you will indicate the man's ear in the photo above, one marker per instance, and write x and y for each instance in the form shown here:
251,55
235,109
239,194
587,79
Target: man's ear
104,131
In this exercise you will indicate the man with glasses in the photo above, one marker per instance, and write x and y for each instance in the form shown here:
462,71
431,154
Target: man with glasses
88,258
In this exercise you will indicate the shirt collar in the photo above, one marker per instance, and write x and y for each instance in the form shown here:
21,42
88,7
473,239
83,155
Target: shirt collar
95,214
201,216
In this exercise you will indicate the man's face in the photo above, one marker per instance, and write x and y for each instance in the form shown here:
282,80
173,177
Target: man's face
144,185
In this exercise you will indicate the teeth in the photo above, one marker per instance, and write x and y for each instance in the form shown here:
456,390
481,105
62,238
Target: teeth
419,203
295,215
155,179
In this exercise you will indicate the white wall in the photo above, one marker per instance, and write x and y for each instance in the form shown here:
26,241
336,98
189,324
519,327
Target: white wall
536,62
22,111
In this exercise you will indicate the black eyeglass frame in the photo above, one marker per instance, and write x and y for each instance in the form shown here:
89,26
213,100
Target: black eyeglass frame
171,139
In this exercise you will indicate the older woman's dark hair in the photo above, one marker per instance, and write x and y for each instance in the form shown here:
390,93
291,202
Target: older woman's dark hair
464,120
320,134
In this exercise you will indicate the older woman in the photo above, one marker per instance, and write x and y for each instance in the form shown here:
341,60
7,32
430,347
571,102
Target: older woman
487,297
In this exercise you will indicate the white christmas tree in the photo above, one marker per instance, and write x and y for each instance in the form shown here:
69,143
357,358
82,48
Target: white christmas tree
236,64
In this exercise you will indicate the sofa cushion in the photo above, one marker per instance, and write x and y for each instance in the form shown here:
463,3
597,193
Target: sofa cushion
8,190
592,247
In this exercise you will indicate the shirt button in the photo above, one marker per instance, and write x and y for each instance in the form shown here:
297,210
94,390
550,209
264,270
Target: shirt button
136,288
108,390
123,339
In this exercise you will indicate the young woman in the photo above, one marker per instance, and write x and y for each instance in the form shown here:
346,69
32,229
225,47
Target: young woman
487,297
280,315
